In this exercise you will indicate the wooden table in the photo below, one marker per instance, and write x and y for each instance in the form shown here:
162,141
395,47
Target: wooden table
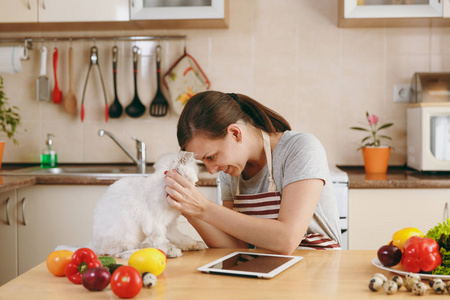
320,275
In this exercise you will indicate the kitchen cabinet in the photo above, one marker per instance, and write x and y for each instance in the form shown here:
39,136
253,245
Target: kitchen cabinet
13,11
29,11
88,15
52,216
390,12
158,10
8,237
375,214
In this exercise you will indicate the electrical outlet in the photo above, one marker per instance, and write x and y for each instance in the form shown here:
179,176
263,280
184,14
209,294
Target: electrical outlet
401,92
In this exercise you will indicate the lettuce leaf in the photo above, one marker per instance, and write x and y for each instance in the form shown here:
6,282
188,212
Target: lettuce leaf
441,270
438,230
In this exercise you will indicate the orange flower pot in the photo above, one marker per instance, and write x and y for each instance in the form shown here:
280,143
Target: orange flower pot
2,147
376,159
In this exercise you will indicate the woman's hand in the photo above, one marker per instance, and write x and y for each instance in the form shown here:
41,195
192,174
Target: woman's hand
183,195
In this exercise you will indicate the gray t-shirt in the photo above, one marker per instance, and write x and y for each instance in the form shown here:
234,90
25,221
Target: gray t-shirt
297,156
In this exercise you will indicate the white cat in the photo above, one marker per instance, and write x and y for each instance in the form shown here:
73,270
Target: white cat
134,214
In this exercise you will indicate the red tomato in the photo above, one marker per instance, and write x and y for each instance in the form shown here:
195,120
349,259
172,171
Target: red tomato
126,282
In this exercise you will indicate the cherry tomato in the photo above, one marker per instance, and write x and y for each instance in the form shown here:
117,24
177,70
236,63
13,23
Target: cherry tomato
126,282
57,262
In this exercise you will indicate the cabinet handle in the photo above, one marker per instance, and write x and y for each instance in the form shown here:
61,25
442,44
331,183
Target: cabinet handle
7,211
23,212
446,211
132,3
43,4
28,5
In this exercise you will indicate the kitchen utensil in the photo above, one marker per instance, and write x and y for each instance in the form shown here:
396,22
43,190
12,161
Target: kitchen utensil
115,110
94,61
70,101
184,79
43,84
136,108
159,105
57,94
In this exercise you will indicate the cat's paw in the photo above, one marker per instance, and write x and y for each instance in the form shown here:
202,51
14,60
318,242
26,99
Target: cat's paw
193,246
125,254
173,252
199,245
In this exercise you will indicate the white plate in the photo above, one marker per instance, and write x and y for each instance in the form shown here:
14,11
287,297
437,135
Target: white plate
376,263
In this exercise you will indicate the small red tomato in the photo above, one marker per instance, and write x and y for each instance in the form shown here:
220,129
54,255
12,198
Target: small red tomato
126,282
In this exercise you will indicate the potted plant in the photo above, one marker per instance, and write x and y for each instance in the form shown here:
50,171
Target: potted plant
375,155
9,119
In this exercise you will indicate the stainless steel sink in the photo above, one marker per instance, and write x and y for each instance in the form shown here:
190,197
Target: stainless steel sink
82,170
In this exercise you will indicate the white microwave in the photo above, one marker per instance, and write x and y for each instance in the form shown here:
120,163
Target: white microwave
428,136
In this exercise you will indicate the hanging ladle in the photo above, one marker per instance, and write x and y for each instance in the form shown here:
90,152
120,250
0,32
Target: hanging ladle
136,108
115,110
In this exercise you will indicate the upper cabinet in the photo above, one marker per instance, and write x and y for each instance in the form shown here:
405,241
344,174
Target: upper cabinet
177,10
17,11
26,11
60,15
83,10
385,12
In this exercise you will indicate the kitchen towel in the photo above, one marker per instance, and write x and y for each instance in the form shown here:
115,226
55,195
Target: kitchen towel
10,59
184,79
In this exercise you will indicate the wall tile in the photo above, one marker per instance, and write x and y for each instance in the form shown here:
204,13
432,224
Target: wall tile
290,55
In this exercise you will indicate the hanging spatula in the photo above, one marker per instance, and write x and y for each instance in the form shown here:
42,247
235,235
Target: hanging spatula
159,105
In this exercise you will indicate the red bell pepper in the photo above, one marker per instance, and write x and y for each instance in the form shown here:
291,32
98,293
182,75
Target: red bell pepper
82,259
421,254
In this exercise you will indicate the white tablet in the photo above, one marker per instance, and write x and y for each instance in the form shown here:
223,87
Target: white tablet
250,264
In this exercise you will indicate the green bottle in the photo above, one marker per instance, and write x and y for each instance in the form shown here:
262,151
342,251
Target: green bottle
49,158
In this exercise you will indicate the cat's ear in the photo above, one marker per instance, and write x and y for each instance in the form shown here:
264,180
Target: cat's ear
185,156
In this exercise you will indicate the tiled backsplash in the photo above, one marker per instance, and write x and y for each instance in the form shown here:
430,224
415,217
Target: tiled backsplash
289,55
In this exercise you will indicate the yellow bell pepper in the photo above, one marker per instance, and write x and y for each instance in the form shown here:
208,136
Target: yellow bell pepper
400,237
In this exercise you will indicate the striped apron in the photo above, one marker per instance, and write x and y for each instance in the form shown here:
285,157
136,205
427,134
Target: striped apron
267,205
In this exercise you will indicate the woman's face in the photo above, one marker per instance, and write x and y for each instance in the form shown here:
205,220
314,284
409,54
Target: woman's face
225,154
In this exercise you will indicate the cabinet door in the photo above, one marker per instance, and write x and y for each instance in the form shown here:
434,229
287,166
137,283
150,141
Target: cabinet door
8,237
375,214
372,9
83,10
52,216
18,11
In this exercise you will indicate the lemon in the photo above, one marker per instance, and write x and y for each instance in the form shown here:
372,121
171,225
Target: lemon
148,260
400,237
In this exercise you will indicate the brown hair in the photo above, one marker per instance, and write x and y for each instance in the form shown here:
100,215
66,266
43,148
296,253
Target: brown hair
209,113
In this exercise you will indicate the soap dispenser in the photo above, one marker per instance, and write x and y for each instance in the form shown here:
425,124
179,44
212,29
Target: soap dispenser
49,158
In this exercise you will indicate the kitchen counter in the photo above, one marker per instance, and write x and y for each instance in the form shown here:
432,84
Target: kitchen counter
8,183
320,275
396,178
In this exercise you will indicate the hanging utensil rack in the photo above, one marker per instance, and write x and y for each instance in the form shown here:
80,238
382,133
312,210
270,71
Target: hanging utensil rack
28,41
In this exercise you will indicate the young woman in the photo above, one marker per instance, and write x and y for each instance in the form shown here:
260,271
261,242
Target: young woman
275,183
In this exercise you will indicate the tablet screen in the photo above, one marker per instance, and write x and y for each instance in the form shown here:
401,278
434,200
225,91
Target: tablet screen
251,264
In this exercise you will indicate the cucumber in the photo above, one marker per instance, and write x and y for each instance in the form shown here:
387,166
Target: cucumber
113,267
106,260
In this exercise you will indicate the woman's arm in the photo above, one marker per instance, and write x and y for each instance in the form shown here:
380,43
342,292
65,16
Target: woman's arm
213,236
282,236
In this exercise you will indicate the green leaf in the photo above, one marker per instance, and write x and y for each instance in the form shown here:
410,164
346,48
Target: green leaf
359,128
9,116
385,126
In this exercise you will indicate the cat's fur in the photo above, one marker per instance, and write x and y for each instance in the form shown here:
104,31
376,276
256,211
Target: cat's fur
134,214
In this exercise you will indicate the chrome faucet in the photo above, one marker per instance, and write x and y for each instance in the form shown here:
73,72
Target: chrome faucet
140,161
